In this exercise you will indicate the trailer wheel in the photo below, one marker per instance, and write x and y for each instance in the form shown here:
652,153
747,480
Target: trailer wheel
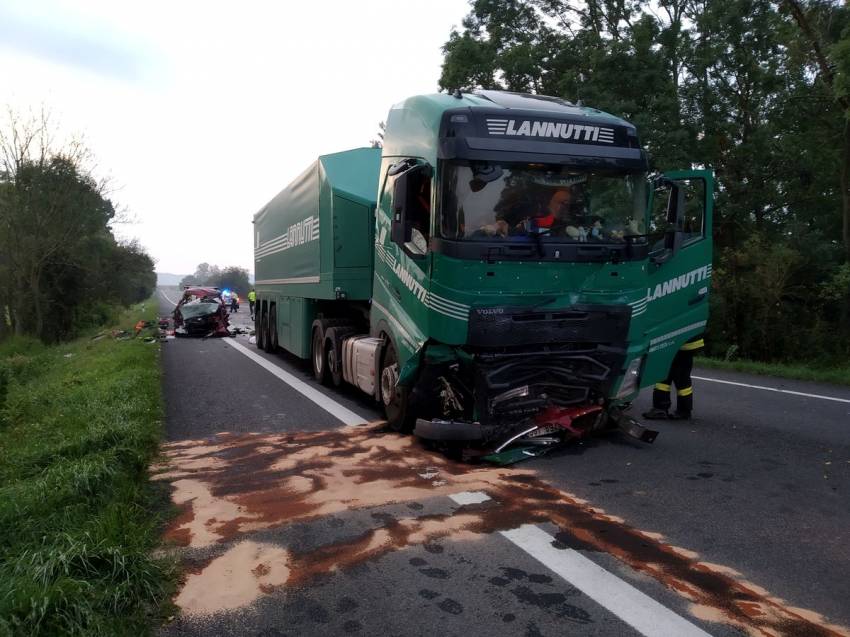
264,330
258,327
393,395
334,360
319,356
271,331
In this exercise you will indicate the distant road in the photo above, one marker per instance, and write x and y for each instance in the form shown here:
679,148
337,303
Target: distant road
736,521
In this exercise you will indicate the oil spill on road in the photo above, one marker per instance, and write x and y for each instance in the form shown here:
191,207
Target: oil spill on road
234,485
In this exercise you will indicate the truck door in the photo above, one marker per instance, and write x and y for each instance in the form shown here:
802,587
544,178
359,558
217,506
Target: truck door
679,268
402,256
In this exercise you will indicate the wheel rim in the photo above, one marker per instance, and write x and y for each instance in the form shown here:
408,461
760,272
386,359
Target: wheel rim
318,355
332,363
389,379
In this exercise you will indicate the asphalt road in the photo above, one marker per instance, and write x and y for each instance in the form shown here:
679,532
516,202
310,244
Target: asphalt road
737,522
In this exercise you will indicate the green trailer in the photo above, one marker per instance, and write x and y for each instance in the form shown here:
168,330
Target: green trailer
503,270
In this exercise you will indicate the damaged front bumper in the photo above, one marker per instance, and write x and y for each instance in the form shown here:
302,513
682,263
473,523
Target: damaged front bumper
519,403
533,437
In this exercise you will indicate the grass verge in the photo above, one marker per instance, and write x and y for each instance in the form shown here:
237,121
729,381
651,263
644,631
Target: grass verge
80,426
835,375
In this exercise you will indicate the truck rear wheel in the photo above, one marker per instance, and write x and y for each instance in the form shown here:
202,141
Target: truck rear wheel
394,396
271,331
264,330
319,356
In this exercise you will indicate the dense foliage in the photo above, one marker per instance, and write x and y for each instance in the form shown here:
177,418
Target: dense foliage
757,90
61,268
230,278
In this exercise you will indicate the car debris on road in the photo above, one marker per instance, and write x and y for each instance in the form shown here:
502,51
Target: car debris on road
201,312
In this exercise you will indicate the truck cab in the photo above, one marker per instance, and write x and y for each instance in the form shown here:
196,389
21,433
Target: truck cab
525,259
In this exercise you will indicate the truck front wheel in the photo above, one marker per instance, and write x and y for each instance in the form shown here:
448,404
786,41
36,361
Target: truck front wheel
393,395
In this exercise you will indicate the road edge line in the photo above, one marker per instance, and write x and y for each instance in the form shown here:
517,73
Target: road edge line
327,403
166,297
774,389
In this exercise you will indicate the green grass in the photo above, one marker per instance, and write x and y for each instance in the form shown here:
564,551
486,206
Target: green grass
812,372
77,522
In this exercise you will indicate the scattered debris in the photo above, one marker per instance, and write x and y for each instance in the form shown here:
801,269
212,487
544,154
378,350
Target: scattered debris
68,355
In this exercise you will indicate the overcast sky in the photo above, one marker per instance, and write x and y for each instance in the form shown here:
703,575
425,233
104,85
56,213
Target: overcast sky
200,112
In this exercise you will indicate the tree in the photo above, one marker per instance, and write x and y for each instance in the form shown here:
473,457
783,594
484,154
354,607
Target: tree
830,51
59,255
757,90
231,277
378,142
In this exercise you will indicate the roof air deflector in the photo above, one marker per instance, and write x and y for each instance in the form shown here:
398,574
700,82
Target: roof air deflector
526,101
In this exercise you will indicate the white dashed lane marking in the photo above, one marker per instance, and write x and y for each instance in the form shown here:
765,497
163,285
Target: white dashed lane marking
637,609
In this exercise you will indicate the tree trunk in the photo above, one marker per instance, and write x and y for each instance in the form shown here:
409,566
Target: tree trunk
845,189
35,294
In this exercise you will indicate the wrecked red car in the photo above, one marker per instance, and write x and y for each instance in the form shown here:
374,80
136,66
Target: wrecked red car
201,312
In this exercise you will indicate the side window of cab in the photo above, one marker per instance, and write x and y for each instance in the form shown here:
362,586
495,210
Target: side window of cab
408,187
693,215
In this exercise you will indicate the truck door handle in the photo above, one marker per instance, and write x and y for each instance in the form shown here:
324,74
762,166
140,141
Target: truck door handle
396,293
697,299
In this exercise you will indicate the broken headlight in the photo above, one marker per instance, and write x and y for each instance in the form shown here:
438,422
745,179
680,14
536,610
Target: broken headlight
631,379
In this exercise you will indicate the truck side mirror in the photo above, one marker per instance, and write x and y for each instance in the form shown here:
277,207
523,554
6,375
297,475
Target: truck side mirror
405,190
400,231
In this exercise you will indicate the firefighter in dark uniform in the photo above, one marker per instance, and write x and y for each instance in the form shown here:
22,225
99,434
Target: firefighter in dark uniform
680,376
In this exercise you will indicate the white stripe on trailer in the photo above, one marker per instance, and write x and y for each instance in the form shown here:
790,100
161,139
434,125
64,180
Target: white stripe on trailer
298,279
637,609
327,403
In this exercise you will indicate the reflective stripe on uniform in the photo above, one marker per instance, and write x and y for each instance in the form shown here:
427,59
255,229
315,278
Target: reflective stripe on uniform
695,345
685,392
662,387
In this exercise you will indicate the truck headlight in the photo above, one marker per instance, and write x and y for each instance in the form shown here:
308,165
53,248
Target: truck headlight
631,379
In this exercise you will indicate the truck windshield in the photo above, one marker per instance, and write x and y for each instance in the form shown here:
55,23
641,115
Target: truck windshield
487,201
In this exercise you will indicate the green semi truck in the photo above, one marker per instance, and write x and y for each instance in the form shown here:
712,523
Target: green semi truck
504,272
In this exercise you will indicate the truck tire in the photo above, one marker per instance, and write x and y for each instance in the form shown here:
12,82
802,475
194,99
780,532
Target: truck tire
258,328
333,357
395,407
271,331
264,330
318,355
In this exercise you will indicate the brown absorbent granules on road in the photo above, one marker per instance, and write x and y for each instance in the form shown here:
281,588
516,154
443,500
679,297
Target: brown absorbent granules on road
235,484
